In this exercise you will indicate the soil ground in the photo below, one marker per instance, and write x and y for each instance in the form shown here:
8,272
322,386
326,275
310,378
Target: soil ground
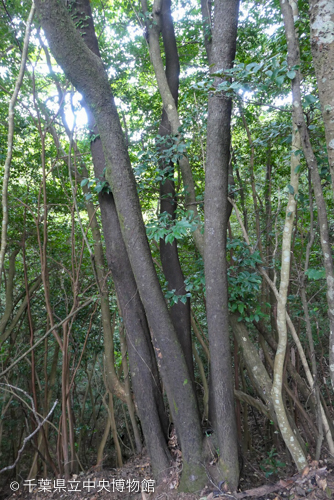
315,483
266,474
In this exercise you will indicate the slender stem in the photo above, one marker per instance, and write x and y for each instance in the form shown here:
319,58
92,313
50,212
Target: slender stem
10,139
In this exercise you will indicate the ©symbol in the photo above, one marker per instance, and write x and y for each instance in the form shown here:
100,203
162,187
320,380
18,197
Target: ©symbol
14,486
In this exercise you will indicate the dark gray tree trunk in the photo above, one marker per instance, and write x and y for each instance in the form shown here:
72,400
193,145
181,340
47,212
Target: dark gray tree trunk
222,53
180,312
85,70
143,367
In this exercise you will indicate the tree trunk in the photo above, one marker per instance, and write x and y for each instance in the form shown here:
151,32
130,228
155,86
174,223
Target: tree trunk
85,70
9,291
10,140
170,107
294,61
129,401
322,44
282,417
143,367
180,312
254,365
33,288
216,217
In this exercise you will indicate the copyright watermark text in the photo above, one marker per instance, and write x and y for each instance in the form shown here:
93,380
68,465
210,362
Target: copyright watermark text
60,485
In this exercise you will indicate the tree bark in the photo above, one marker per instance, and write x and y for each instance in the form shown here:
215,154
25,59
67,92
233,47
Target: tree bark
289,438
254,365
98,262
322,44
216,216
206,8
293,61
143,367
170,107
9,291
180,312
10,139
85,70
296,339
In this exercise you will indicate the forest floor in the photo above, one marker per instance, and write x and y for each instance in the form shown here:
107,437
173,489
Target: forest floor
316,482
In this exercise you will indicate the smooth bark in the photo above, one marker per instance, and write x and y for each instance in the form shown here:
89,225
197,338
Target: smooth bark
255,367
9,291
206,8
85,70
296,339
216,217
289,438
322,44
294,61
10,139
143,367
98,262
170,107
180,312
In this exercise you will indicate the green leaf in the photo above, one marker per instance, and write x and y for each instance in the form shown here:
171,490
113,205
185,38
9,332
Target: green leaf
310,99
291,74
280,80
241,308
315,274
84,182
253,66
291,189
169,238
